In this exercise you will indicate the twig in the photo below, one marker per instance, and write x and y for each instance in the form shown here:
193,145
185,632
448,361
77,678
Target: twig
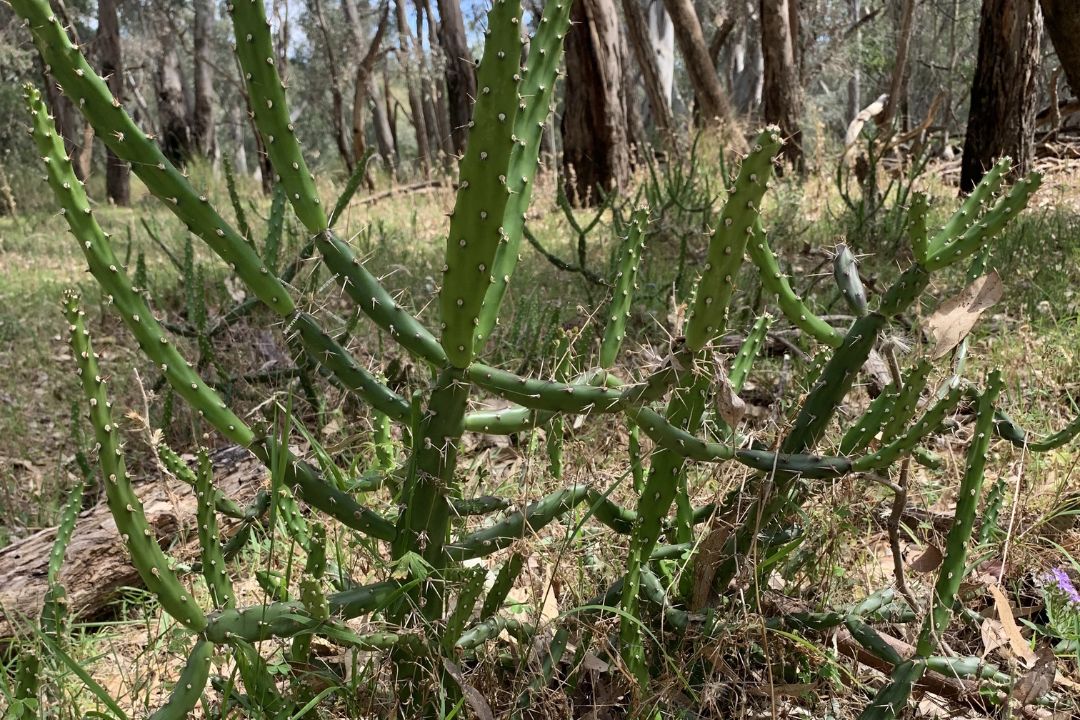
562,264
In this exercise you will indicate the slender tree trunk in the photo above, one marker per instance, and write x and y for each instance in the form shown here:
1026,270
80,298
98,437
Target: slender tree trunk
406,43
440,142
337,100
460,70
365,92
715,106
176,137
1003,93
1063,26
900,69
662,42
658,95
438,80
203,117
783,101
854,88
238,121
117,173
595,144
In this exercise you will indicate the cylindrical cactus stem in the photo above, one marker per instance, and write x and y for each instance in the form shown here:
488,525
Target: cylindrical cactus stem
846,274
610,513
622,294
483,631
469,593
903,293
189,686
536,92
124,504
213,561
972,208
912,384
952,570
554,439
892,699
423,525
905,443
776,284
383,441
476,227
988,226
517,525
500,589
311,591
916,227
742,212
989,525
863,431
748,352
267,92
1007,429
637,468
179,469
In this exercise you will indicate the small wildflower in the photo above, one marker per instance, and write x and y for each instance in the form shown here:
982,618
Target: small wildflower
1064,584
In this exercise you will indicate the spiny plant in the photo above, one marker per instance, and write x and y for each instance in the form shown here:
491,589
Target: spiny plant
428,603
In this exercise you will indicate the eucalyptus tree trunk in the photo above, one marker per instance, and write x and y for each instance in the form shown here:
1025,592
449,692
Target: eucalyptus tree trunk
715,107
746,64
337,99
460,71
202,121
1003,93
782,93
662,39
854,88
365,91
657,91
437,82
596,151
406,44
173,118
117,173
1063,26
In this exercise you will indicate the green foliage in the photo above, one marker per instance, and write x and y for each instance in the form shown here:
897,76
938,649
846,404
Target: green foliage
429,596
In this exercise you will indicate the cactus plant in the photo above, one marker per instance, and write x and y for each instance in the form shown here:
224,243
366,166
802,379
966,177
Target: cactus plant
430,596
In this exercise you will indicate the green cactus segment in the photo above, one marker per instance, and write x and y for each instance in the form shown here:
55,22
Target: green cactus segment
618,311
500,589
554,440
376,302
610,513
470,592
480,633
476,228
535,94
905,291
907,400
518,524
382,438
116,129
124,505
988,528
256,55
351,186
339,362
107,269
68,517
833,385
311,592
1007,429
988,226
892,699
906,443
742,211
846,274
967,501
424,523
180,470
916,227
213,562
748,352
972,208
189,686
637,468
863,431
776,283
814,467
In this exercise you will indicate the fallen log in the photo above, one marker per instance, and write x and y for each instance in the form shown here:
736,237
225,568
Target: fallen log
97,566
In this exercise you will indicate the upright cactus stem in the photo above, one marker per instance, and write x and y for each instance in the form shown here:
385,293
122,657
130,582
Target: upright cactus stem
742,211
124,505
476,228
622,295
916,227
258,63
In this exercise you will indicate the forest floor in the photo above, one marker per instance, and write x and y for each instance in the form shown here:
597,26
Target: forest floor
1033,335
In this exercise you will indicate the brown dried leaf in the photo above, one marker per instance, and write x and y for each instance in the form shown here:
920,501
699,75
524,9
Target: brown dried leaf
993,635
929,560
730,406
1017,644
476,702
951,322
709,554
1038,680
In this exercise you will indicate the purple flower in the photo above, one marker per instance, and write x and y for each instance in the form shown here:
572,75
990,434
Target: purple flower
1064,583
